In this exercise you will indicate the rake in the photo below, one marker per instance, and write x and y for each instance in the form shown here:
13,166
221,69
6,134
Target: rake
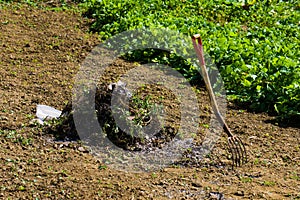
236,146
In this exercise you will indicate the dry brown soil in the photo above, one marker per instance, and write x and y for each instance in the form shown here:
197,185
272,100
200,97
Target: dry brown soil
40,54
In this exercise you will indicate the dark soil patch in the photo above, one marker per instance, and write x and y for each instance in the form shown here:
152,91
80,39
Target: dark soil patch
40,54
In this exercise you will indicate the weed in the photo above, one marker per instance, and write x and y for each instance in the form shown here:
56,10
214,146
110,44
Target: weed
21,188
205,125
295,176
268,183
153,175
102,167
245,179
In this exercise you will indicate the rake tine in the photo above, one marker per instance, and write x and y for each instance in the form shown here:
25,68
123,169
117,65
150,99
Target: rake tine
234,151
237,150
231,149
243,150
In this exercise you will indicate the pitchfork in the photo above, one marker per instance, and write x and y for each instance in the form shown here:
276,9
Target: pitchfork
236,146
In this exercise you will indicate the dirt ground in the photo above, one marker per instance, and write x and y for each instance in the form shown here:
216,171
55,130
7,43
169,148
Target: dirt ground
41,51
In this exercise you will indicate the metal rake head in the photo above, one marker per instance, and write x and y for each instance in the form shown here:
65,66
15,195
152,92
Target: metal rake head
238,151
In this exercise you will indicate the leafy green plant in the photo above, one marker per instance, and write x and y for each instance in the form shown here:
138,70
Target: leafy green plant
254,44
141,109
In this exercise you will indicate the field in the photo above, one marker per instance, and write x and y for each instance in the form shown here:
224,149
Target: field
42,46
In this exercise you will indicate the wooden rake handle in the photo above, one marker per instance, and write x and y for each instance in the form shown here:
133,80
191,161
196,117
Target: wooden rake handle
197,42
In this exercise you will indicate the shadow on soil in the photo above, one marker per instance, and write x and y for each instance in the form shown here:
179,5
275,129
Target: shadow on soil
293,121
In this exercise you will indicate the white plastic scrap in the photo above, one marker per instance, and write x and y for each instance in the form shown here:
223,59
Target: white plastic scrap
44,112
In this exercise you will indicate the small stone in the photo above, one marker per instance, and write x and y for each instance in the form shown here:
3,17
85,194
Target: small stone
66,144
216,195
82,149
239,193
196,184
3,118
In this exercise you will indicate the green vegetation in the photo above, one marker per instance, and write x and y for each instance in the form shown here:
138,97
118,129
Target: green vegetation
60,5
102,167
16,137
255,45
245,179
268,183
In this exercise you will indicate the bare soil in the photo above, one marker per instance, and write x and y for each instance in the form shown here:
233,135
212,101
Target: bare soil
40,53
